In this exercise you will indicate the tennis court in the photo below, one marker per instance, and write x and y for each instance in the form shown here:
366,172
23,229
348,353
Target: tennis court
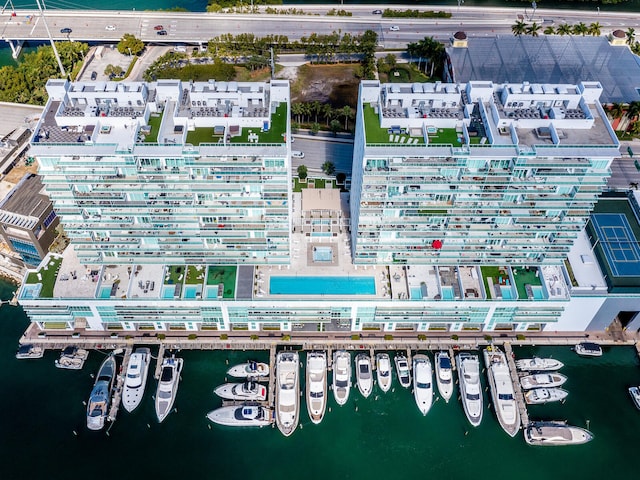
618,243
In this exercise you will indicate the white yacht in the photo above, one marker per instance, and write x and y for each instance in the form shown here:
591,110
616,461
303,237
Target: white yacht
242,416
635,396
383,371
555,433
341,376
316,380
249,369
504,401
444,375
364,374
72,358
136,379
537,396
100,398
247,391
537,364
588,349
167,386
422,382
287,392
29,351
403,371
542,380
470,386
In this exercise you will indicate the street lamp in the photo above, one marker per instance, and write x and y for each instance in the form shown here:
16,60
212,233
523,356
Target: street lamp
534,5
460,2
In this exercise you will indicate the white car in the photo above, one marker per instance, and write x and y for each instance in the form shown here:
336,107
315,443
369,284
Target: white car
394,28
297,154
110,28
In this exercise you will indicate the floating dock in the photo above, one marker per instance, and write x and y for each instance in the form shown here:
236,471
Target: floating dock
515,378
119,386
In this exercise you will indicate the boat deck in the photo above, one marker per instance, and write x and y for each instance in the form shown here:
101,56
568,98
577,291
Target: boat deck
515,379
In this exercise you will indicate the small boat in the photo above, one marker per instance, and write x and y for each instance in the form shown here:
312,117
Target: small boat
444,375
29,350
72,358
588,349
364,375
635,396
341,376
249,369
242,416
422,382
502,392
136,378
383,371
555,433
100,398
470,387
247,391
287,392
537,364
316,381
537,396
403,371
168,386
542,380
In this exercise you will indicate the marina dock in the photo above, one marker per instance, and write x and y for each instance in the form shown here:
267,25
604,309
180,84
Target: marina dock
158,369
119,385
515,378
272,377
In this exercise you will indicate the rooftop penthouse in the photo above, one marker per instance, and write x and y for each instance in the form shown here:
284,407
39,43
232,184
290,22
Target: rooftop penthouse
461,117
131,117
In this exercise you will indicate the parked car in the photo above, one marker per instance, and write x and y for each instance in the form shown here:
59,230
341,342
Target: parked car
377,12
158,27
394,28
66,30
110,28
297,154
94,75
161,32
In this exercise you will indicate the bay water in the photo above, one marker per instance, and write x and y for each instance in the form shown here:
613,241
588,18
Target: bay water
43,433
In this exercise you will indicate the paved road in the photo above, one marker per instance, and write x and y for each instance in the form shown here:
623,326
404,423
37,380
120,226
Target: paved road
317,150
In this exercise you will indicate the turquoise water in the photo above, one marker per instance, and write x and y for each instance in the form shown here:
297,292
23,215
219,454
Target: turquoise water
416,293
447,293
380,437
322,286
507,293
191,291
322,254
105,292
538,294
169,292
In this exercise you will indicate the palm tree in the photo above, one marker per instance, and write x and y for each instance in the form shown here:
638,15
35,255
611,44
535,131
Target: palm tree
633,111
549,30
631,35
533,29
580,29
616,111
564,29
595,29
346,112
519,28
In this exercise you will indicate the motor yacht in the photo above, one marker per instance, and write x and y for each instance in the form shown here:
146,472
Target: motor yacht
542,380
136,378
249,369
403,370
100,398
470,386
555,433
635,396
383,371
168,386
72,358
242,416
502,392
537,364
538,396
422,382
287,391
247,391
444,375
341,376
29,350
316,381
588,349
364,374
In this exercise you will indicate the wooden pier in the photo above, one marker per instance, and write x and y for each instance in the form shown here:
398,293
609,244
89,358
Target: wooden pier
272,377
158,369
119,385
515,378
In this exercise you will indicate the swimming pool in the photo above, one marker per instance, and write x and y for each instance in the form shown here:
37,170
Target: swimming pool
538,294
447,293
105,292
322,286
416,293
191,291
507,293
169,291
322,254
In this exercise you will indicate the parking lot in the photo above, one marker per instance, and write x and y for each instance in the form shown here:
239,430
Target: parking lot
319,149
101,58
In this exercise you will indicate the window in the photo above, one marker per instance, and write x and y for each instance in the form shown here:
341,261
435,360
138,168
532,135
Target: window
50,218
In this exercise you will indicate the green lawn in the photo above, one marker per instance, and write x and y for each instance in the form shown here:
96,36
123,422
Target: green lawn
195,274
494,273
154,121
374,133
317,183
276,131
444,136
48,273
173,274
202,135
523,277
225,275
